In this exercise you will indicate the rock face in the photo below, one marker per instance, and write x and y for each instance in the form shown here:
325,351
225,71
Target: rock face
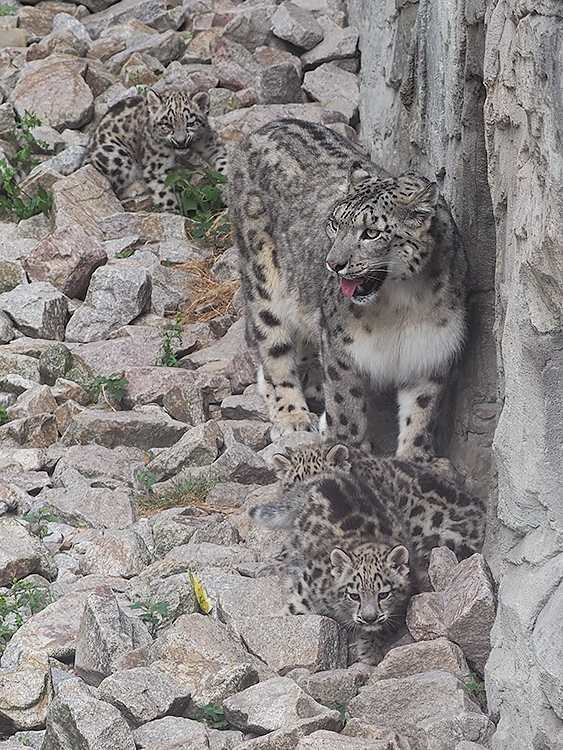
470,95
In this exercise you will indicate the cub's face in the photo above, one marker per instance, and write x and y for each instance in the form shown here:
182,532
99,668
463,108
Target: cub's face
374,584
379,231
176,118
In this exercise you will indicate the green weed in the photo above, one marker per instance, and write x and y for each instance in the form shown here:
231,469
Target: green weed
170,333
336,706
21,600
38,521
26,140
474,684
154,615
112,387
147,480
7,10
127,253
4,415
214,716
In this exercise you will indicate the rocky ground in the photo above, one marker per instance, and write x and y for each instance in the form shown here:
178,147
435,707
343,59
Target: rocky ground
132,476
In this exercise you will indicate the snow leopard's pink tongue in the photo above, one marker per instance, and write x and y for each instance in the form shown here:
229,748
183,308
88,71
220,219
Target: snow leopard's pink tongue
349,286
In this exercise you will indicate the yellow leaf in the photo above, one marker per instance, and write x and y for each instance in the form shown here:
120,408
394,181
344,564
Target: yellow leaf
205,603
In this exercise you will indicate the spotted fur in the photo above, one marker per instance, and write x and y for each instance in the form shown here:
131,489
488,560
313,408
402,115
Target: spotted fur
339,260
138,141
361,526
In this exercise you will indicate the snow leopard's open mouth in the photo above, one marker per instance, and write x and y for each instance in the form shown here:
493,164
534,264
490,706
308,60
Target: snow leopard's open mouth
363,286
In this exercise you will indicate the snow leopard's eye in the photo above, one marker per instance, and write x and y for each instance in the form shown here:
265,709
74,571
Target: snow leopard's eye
370,233
383,595
353,595
332,225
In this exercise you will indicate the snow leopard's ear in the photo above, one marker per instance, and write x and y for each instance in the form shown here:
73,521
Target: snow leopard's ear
399,559
201,101
281,464
340,562
419,195
357,175
338,456
153,98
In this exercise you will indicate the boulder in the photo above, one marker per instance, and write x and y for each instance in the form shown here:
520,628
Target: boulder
39,310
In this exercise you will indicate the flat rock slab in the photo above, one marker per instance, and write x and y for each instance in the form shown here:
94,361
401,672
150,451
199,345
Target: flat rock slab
123,428
19,555
55,90
118,553
39,309
83,198
26,691
99,507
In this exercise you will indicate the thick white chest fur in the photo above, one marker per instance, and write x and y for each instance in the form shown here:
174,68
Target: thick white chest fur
406,336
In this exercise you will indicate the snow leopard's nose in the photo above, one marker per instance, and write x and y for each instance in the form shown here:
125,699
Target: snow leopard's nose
336,267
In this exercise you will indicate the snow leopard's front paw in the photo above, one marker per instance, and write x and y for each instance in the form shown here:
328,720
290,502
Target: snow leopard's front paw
297,420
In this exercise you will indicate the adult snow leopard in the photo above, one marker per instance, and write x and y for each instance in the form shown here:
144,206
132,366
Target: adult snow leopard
340,259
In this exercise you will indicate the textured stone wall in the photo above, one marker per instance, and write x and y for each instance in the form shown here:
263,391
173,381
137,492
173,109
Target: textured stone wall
471,92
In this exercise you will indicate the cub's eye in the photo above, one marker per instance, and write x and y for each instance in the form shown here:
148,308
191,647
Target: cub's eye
383,595
332,225
353,595
371,233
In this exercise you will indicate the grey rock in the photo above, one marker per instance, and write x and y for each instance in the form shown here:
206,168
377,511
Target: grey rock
19,364
468,745
100,466
423,656
406,703
12,274
53,630
241,464
338,43
146,11
116,296
334,686
132,429
105,635
119,552
39,310
285,643
279,83
19,555
250,26
335,88
76,718
324,740
26,692
186,403
276,704
441,567
42,88
373,731
176,732
67,258
443,732
7,330
143,694
296,25
36,400
99,507
233,64
149,227
208,555
251,432
197,447
252,406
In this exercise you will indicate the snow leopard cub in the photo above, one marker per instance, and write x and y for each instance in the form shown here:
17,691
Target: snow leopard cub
361,529
341,260
138,141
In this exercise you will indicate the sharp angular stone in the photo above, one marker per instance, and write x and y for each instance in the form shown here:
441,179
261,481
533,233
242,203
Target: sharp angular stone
99,507
423,656
67,258
105,635
117,553
335,88
274,704
296,25
323,740
26,691
198,446
19,556
115,297
176,732
123,428
55,90
77,719
84,198
39,310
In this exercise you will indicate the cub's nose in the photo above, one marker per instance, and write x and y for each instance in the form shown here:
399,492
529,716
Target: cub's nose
336,267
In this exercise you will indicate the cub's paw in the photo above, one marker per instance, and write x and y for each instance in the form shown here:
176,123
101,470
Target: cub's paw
295,421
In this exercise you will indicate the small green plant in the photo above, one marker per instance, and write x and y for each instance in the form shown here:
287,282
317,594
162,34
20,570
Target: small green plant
474,683
14,199
24,598
200,203
3,415
214,716
147,480
154,615
25,739
127,253
336,706
7,10
26,140
112,387
184,490
170,333
38,521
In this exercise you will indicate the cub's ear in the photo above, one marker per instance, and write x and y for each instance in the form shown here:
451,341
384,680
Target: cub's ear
153,98
338,456
399,559
201,101
340,562
419,195
357,175
281,463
